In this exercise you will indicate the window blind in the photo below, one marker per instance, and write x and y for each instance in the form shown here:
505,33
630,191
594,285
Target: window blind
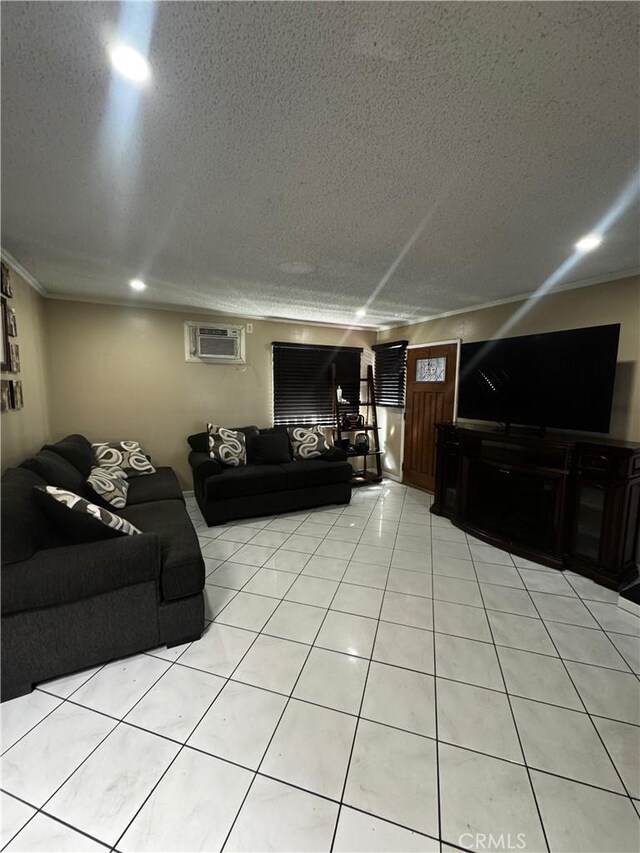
389,371
302,384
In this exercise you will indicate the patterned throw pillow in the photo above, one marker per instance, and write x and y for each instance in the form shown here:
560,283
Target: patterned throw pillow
127,455
227,446
87,521
308,442
111,484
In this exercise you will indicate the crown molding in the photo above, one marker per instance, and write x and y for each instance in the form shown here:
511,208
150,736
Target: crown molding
22,272
209,312
523,297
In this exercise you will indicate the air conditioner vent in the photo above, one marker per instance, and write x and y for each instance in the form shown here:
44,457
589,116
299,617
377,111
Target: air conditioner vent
214,344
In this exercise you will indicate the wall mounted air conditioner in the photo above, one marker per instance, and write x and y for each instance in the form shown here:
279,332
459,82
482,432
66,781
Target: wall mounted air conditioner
214,343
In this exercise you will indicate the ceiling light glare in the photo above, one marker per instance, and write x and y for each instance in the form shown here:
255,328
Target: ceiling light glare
137,284
361,312
589,243
129,63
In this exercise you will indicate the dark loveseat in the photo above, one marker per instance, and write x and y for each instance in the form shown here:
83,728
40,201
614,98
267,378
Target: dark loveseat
69,605
224,493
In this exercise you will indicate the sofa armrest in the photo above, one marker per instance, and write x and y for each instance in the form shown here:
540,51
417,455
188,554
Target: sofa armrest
60,575
336,454
203,465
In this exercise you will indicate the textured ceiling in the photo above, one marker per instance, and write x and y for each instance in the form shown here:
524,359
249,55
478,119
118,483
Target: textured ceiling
488,136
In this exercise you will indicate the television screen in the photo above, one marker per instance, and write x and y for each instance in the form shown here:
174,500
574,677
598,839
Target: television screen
557,379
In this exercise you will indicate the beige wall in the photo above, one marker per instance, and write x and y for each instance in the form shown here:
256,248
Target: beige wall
613,302
120,373
25,430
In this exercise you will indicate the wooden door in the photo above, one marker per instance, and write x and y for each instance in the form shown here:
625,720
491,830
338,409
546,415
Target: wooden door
431,381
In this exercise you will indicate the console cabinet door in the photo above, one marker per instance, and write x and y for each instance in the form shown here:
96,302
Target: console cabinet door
589,508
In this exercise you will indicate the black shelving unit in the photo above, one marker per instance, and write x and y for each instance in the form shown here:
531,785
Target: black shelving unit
371,425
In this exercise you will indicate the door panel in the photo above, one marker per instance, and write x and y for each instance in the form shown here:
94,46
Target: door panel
431,380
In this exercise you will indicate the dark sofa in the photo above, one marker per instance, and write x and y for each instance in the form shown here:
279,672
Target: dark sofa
68,605
224,493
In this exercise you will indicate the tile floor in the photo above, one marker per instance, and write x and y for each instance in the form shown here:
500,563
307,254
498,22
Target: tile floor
372,679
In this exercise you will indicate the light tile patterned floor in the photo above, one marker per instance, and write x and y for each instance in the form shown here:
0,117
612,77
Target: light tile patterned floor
373,679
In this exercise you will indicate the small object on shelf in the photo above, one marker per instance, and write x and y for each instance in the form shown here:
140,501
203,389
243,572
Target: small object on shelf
361,442
341,399
351,421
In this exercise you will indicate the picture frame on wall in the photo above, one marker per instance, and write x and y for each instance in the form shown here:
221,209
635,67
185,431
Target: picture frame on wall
14,357
6,401
7,289
12,323
17,399
4,334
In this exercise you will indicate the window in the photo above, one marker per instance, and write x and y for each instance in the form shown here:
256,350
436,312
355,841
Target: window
389,371
302,383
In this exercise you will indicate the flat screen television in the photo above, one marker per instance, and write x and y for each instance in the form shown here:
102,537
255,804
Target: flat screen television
558,379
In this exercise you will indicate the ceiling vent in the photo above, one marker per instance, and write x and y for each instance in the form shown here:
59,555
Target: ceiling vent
214,344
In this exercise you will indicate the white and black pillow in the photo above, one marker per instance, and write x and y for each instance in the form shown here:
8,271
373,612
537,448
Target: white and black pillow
308,442
227,446
83,520
127,455
110,484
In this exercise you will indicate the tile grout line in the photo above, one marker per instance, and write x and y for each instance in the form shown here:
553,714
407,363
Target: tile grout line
435,687
513,716
362,698
579,694
266,750
184,743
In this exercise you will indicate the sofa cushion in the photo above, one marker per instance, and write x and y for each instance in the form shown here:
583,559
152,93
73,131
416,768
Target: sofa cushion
227,446
71,573
250,480
110,484
161,486
271,449
127,455
56,471
76,449
308,442
25,527
302,473
80,520
182,571
199,442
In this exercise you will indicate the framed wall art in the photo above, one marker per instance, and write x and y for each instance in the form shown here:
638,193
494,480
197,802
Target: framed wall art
4,333
7,289
6,400
17,400
14,357
12,323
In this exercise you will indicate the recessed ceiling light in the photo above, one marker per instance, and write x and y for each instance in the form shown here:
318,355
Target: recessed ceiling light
588,243
137,284
296,267
129,63
361,312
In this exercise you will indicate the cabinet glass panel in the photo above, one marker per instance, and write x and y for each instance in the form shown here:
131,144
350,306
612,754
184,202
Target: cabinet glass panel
589,521
452,461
